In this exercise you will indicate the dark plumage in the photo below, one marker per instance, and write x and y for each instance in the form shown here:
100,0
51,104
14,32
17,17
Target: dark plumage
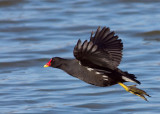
96,61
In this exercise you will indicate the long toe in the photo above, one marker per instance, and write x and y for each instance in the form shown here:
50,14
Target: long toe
134,90
142,96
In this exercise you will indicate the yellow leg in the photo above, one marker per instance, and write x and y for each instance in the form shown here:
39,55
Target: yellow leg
132,89
124,86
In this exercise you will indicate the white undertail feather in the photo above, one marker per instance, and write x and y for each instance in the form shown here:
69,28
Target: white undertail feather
127,79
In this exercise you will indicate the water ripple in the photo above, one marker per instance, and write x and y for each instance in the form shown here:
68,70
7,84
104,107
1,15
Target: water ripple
32,32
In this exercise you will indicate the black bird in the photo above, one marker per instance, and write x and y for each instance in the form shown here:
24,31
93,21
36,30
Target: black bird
96,62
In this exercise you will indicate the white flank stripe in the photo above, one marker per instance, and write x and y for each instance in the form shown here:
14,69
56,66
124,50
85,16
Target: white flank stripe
98,73
105,76
90,69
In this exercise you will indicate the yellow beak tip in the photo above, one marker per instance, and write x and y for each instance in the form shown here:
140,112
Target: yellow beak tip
45,66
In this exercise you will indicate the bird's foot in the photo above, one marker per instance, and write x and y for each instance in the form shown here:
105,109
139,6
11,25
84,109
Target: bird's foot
134,90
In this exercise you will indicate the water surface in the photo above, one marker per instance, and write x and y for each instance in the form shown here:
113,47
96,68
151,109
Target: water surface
33,31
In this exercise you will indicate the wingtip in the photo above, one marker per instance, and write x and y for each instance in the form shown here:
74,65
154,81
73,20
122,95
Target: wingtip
91,37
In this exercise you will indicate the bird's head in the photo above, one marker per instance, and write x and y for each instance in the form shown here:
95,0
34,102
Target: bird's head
54,62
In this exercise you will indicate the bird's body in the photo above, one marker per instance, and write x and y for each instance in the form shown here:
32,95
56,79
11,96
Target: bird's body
95,76
96,61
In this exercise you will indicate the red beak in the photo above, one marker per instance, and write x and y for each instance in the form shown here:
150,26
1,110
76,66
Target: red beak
48,64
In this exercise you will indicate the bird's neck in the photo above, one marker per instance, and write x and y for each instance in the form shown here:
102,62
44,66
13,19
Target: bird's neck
67,65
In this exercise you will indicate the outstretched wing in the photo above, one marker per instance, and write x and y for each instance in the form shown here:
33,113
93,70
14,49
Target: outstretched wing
107,41
103,50
90,55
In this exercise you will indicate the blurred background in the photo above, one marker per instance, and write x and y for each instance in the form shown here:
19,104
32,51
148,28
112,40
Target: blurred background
33,31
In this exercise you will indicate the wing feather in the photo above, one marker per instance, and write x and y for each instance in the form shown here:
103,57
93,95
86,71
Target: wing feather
107,41
89,55
104,49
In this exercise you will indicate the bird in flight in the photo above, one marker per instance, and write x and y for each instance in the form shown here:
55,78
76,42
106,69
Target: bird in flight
96,62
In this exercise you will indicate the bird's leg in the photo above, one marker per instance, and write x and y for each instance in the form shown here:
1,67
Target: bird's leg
136,91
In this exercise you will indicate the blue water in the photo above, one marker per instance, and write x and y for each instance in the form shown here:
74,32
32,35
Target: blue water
33,31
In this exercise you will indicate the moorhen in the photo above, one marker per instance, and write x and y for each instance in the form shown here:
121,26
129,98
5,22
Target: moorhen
96,62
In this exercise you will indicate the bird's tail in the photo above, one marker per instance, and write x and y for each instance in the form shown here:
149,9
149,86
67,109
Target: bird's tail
129,77
133,77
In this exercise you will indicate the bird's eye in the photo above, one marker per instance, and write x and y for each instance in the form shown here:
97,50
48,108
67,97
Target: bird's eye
53,59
